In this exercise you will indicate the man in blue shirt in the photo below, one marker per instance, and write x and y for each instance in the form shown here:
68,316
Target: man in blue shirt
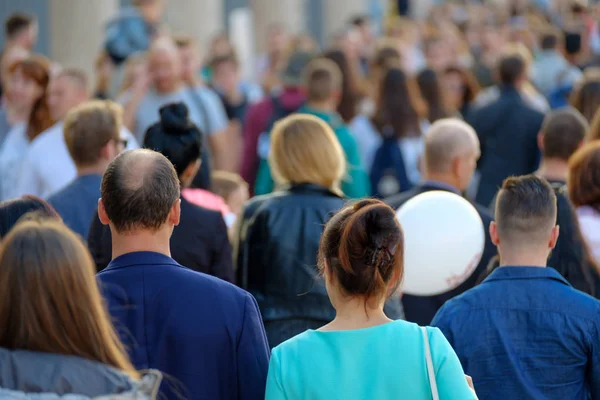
92,136
203,333
525,333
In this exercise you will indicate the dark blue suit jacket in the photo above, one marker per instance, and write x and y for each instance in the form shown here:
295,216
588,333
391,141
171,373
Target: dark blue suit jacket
203,333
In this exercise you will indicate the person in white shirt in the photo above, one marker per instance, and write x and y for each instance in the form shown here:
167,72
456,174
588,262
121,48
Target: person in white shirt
47,166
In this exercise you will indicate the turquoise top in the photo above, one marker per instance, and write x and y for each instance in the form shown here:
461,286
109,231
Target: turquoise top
383,362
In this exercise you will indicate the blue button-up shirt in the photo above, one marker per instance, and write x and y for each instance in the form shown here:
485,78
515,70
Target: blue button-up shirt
525,333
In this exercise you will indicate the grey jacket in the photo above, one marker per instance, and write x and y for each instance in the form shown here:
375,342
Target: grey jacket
26,375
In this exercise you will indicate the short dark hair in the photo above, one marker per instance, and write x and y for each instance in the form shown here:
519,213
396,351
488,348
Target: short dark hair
224,59
563,130
12,211
525,209
511,68
359,20
17,23
584,176
323,78
549,39
139,189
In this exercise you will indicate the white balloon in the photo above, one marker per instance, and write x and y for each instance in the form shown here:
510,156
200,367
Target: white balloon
443,242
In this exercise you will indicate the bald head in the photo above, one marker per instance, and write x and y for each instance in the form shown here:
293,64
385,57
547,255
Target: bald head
165,65
451,151
139,189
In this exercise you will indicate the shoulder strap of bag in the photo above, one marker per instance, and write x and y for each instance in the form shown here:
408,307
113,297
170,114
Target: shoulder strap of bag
430,370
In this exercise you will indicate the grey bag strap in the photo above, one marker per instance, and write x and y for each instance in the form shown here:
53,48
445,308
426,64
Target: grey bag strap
430,370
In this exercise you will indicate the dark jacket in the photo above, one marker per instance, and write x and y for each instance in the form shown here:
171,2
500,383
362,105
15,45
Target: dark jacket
44,376
200,242
203,333
507,130
421,310
277,253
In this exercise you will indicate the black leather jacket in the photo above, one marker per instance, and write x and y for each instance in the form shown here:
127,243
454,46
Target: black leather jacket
277,253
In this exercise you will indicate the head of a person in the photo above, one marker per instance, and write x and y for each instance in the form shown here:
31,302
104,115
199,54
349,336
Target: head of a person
11,211
563,132
451,152
361,254
151,10
28,86
432,93
586,97
460,87
386,56
226,72
189,55
323,81
304,149
277,38
550,39
136,66
348,104
176,137
348,39
399,106
232,188
437,53
512,70
525,214
220,45
39,261
10,56
305,43
363,25
67,90
584,176
140,196
165,65
92,134
21,30
292,73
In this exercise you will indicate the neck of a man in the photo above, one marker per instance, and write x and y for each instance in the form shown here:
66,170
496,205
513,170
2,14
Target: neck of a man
96,169
442,177
325,106
514,256
554,169
141,240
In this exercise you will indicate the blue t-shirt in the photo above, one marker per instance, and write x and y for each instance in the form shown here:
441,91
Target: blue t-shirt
383,362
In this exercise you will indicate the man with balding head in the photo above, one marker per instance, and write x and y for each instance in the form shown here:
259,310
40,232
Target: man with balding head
203,333
450,159
166,85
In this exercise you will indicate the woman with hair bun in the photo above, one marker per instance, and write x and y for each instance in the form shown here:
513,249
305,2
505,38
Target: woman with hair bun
362,353
200,241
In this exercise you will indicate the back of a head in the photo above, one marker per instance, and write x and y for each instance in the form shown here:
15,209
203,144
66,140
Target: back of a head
431,92
76,76
586,96
224,183
175,136
89,127
446,140
13,210
53,304
17,23
139,189
584,176
323,80
525,211
304,149
550,39
563,133
362,247
511,69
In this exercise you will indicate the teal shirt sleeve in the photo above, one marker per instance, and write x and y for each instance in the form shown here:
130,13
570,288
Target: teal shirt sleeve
274,388
449,374
264,180
356,184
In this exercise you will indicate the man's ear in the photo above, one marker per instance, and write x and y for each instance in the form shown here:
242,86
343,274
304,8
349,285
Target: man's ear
175,214
102,213
494,233
540,141
554,236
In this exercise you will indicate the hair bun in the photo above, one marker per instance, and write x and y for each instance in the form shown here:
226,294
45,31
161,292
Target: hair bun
174,119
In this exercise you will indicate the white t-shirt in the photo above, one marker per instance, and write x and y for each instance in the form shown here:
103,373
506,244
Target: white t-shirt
47,166
11,157
210,108
369,140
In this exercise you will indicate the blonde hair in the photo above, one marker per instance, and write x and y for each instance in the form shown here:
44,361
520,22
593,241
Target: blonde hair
304,149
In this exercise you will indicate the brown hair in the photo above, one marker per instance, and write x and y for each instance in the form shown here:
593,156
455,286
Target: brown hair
348,106
586,97
89,127
17,23
584,176
52,303
37,69
593,132
470,83
224,183
323,78
563,133
433,95
362,246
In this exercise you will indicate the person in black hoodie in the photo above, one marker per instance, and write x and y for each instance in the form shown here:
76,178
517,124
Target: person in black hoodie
200,241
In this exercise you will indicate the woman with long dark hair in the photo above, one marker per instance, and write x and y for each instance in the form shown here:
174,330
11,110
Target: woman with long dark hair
350,96
432,93
57,336
29,80
460,88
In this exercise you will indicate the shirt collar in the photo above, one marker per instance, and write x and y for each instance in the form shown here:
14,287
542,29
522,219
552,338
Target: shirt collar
517,273
441,186
140,258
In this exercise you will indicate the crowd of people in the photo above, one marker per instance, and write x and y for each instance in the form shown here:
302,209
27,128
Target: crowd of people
178,230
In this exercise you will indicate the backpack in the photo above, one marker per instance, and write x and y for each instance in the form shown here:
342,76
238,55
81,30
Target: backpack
127,34
388,172
264,181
